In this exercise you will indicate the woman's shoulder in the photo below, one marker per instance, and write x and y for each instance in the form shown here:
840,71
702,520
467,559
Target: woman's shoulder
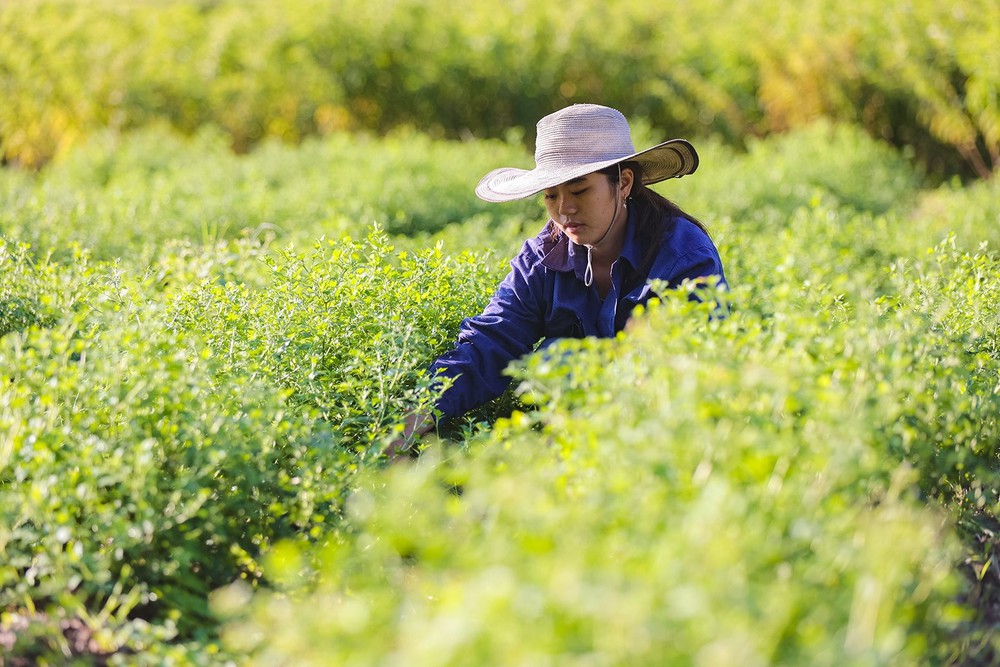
682,235
686,243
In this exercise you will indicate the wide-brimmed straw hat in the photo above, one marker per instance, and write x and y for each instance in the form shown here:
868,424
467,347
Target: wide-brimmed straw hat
581,139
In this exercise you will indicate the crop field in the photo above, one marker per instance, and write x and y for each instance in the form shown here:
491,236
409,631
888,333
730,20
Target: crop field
219,295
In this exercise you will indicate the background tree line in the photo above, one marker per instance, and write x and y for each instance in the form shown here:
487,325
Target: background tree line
916,73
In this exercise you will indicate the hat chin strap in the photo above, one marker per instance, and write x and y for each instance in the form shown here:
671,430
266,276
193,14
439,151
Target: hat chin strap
588,275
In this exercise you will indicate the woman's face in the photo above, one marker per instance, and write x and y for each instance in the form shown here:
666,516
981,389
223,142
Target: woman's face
584,207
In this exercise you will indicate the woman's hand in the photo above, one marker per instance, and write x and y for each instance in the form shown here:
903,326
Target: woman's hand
414,426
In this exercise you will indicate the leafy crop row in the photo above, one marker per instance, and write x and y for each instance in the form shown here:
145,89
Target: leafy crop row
767,488
187,431
133,198
348,329
127,198
135,481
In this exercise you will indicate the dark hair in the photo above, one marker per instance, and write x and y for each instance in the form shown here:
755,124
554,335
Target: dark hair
655,214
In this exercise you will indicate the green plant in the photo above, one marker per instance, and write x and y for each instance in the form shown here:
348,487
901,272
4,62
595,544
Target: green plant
134,481
916,73
36,291
348,329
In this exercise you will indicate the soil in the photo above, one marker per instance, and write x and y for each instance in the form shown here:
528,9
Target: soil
79,641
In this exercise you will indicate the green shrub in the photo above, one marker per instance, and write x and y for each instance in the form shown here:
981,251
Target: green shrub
695,492
348,329
36,291
837,167
765,488
949,367
965,213
126,196
135,480
916,73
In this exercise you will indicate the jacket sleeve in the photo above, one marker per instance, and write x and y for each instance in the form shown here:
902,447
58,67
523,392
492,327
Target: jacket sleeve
691,254
506,330
700,262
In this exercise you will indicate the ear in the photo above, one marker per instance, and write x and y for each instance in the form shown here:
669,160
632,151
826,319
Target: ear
627,180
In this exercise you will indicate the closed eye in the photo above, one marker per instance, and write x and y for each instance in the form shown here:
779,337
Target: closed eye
575,193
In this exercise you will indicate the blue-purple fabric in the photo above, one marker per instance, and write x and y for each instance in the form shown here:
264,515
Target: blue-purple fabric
544,297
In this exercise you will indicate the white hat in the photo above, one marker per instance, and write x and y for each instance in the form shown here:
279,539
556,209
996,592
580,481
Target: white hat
579,140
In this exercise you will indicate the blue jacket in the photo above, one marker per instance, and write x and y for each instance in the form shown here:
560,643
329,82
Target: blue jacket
544,297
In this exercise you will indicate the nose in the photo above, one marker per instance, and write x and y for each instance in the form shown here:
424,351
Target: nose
565,206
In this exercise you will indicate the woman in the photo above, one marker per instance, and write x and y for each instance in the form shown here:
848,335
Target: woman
607,236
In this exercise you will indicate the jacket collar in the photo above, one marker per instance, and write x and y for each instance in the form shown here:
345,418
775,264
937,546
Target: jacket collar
564,255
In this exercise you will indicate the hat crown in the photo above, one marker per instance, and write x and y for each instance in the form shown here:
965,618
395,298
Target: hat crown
582,134
579,140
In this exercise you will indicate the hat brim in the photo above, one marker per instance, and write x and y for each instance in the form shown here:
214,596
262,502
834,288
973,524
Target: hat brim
671,159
